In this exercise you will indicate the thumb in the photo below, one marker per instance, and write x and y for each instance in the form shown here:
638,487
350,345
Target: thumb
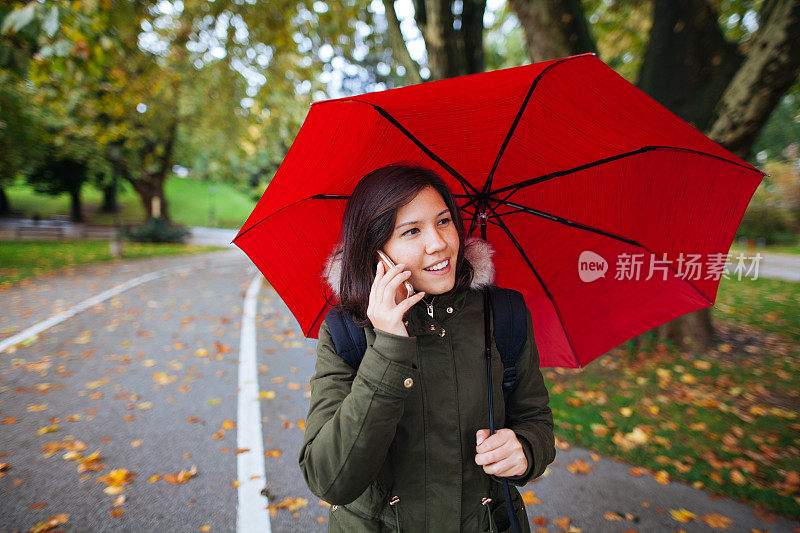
481,436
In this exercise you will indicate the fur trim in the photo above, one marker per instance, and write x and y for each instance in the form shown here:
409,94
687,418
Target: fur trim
477,251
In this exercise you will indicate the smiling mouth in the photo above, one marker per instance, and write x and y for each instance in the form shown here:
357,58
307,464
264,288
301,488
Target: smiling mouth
438,266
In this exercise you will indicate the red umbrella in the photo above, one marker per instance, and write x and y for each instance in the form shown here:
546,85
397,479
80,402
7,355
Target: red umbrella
576,170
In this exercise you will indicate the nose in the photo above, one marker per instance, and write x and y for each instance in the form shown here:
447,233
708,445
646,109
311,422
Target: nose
435,243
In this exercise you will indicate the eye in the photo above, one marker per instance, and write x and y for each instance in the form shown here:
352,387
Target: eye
409,231
446,220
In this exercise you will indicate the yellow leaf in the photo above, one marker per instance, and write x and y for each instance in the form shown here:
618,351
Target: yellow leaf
682,515
662,476
202,352
269,395
529,499
37,407
626,412
47,429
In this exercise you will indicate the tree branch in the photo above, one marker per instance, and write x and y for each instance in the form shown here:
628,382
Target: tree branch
769,70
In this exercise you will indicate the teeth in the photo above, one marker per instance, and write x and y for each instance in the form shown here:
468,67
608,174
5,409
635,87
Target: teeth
439,266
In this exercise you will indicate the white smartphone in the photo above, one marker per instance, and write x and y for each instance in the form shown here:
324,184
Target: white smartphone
387,264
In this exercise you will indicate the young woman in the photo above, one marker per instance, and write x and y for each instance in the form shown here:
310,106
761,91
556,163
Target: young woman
402,443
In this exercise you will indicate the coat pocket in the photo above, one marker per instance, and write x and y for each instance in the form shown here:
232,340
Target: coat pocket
343,520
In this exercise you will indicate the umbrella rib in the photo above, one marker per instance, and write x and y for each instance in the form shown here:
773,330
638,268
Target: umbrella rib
584,227
541,281
488,185
453,172
517,186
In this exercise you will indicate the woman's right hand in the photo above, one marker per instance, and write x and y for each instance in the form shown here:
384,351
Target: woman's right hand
383,310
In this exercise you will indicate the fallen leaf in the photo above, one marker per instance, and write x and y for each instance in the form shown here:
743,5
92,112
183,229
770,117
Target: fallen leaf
52,522
291,504
115,480
562,522
682,515
273,453
717,521
181,477
579,466
529,498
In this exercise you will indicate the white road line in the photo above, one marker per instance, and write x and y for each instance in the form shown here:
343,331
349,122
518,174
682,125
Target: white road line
94,300
251,511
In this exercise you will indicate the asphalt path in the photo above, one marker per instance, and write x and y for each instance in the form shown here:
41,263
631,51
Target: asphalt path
151,379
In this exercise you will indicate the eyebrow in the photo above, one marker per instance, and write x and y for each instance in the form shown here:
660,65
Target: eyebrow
419,221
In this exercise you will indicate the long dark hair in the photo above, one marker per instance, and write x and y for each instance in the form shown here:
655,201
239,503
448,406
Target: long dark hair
368,223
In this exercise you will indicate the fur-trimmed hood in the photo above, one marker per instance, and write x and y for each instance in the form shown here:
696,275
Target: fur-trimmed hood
477,251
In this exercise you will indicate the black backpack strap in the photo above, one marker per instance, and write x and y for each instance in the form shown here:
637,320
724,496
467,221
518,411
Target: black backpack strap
510,331
349,340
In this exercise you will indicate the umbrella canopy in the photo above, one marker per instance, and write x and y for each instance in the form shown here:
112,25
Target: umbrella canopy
576,169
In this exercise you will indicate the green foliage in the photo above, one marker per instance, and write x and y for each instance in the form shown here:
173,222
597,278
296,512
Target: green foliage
780,138
774,211
158,230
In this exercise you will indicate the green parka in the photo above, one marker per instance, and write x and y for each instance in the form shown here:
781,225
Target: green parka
403,427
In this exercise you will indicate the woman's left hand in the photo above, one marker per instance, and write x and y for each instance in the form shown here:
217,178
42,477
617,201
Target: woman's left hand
501,454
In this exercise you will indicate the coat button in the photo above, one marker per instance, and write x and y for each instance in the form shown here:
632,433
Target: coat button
433,327
405,322
408,383
449,309
441,333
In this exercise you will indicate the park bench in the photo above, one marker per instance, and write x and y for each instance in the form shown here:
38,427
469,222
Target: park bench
40,232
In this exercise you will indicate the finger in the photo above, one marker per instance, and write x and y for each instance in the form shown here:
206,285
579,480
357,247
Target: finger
504,468
388,276
409,302
492,442
481,436
492,456
394,283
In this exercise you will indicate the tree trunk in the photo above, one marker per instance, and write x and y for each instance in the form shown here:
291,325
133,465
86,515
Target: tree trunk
472,35
153,187
688,63
75,204
553,28
5,206
110,204
399,48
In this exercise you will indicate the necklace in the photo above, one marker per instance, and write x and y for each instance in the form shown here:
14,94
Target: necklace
430,305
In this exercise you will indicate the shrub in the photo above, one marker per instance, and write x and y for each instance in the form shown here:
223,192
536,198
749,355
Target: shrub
158,230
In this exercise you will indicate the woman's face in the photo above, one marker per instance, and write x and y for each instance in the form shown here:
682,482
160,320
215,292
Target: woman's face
425,236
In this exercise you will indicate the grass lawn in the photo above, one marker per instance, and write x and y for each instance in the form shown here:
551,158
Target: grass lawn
793,249
725,421
189,203
21,260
